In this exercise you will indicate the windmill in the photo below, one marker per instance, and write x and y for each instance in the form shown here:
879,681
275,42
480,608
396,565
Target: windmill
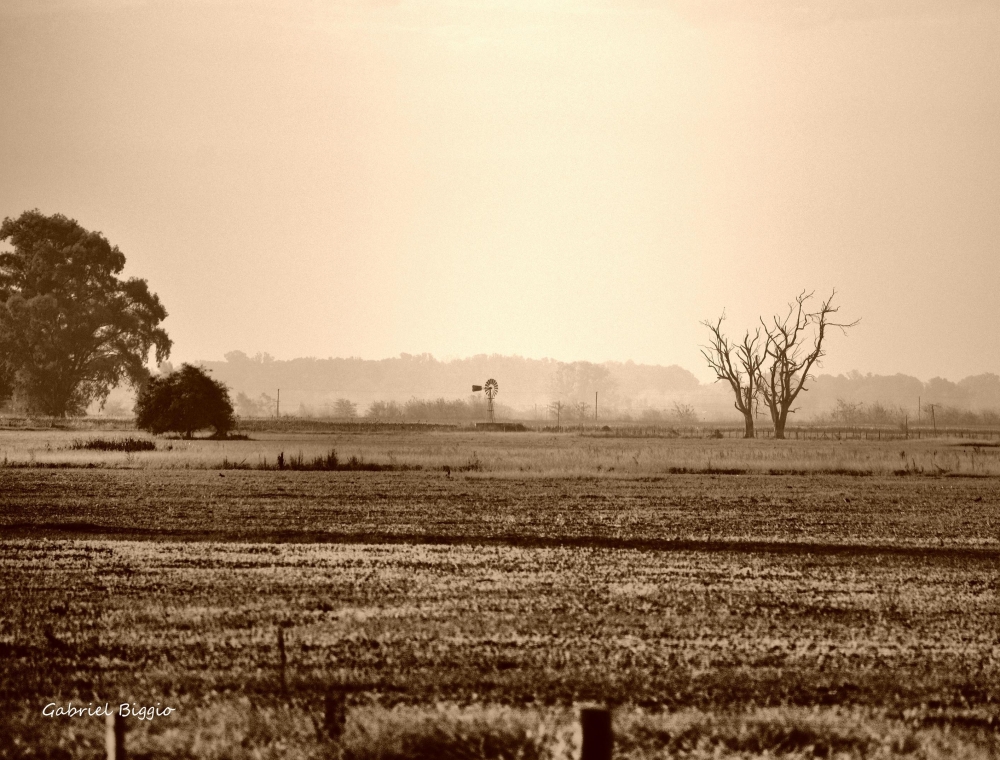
491,388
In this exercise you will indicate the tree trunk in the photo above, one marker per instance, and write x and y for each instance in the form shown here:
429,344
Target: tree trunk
748,431
779,423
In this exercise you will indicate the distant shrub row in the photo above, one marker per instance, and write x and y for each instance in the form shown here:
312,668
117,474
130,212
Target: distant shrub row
113,444
876,413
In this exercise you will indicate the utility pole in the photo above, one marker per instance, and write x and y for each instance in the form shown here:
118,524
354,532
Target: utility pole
933,418
277,408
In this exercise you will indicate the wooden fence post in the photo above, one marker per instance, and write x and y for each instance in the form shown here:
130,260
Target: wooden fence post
595,724
114,736
334,713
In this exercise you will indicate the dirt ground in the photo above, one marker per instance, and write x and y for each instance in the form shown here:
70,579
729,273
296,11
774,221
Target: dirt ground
725,511
710,591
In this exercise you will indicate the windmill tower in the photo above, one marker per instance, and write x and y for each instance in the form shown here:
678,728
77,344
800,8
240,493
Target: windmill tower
491,388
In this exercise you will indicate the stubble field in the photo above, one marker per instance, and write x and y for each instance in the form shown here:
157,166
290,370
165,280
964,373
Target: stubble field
735,613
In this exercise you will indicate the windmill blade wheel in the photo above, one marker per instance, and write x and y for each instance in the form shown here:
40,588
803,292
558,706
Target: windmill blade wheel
491,387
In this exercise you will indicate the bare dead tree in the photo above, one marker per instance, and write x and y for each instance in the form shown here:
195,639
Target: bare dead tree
739,365
787,363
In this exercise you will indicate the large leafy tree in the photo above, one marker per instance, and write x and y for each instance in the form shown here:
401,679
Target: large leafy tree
6,367
71,328
183,402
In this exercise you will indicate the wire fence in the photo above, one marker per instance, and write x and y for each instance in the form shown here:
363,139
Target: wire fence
799,432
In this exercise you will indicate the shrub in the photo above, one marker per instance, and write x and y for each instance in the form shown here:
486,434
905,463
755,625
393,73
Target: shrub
183,402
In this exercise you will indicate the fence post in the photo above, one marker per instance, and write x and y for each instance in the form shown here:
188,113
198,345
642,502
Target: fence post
114,736
595,725
334,713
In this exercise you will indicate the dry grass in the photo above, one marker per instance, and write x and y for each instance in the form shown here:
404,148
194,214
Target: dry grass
240,729
701,638
476,731
127,445
522,454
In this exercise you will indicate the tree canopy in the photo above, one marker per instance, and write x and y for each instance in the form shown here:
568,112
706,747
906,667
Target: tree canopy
70,328
790,353
184,401
778,369
739,365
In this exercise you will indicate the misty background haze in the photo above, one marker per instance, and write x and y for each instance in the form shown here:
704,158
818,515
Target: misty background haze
311,387
441,390
581,180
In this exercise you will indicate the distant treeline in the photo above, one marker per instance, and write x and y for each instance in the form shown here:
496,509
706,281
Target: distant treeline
441,410
524,383
414,410
854,398
877,414
421,388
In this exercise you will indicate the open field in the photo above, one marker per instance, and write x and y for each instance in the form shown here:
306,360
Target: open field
722,613
899,637
820,512
519,454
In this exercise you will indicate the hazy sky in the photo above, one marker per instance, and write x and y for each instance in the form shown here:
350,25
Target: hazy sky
580,180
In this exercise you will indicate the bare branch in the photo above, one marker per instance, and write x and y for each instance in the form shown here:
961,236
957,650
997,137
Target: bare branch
738,364
789,366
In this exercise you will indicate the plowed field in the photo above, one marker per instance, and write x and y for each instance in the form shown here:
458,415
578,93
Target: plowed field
756,510
721,592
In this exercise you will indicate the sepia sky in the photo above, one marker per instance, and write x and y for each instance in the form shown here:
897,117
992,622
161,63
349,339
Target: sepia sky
582,180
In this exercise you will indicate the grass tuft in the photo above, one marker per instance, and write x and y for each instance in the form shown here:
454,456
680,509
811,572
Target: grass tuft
492,731
327,462
127,445
447,731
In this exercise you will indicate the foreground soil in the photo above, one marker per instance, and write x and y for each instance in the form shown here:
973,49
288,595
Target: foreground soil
143,620
723,593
